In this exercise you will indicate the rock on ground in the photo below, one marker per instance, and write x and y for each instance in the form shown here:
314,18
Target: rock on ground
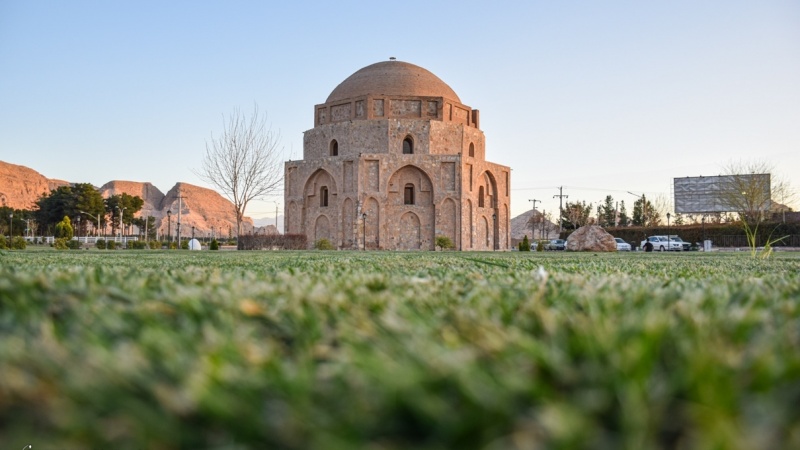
591,238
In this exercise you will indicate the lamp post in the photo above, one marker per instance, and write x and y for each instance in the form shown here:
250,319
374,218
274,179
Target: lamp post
213,236
364,216
169,226
276,216
78,219
10,225
494,231
192,232
97,227
669,241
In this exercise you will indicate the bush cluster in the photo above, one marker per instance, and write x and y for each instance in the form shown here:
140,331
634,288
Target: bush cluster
323,244
444,242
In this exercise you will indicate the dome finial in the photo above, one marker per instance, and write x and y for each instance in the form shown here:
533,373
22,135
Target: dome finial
392,58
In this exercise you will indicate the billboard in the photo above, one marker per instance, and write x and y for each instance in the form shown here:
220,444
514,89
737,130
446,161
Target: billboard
724,193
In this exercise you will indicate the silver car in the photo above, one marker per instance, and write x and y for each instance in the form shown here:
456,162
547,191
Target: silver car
622,246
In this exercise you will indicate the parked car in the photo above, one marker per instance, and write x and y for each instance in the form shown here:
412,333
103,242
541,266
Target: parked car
661,243
686,246
622,246
556,244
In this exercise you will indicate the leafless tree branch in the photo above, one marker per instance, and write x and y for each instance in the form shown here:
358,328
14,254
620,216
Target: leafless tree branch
244,161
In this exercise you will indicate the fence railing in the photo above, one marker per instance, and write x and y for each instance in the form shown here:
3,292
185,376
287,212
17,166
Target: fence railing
741,241
83,239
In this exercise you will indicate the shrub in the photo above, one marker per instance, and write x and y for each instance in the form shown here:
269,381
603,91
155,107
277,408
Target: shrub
3,244
60,244
173,245
155,245
111,245
184,245
18,243
64,228
214,245
525,245
444,242
101,244
540,246
137,245
73,244
323,244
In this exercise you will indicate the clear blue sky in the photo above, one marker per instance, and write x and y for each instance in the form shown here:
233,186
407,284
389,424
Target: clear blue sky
598,97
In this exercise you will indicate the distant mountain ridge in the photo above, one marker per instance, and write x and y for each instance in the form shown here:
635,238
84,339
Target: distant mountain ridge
204,209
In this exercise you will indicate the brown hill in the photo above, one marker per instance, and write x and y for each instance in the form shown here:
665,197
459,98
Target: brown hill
521,226
201,208
150,194
21,186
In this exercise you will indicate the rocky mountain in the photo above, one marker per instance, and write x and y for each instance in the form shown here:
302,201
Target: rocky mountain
204,209
521,226
21,186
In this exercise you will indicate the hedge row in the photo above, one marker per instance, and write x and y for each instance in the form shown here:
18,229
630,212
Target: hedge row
722,235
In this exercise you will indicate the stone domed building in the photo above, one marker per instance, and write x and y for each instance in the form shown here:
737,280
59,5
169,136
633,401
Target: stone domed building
394,160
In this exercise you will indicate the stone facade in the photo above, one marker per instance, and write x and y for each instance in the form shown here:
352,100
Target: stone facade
394,160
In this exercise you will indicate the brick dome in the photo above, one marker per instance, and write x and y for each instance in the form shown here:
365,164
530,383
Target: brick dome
392,78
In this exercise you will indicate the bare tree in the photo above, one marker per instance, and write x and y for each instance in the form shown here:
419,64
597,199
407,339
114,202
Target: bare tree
244,161
752,188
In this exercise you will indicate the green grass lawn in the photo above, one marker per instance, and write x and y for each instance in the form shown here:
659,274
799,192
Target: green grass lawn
342,350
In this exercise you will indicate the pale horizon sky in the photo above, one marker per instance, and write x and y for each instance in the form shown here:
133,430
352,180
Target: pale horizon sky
602,98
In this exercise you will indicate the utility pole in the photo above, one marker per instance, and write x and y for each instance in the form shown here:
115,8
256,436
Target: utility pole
533,214
561,197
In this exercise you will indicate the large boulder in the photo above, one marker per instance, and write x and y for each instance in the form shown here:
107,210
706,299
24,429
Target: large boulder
591,238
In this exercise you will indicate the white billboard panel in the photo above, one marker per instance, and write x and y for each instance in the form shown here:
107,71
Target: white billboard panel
724,193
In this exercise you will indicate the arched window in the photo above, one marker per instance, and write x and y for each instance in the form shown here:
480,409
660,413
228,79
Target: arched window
480,197
334,148
408,146
323,196
471,150
408,194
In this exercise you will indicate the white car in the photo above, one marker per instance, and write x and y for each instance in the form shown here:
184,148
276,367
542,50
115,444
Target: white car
685,245
661,243
622,246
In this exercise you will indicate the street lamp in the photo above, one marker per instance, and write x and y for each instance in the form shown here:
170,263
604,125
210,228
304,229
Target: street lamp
494,231
169,226
669,242
364,216
79,227
97,227
276,216
10,225
192,232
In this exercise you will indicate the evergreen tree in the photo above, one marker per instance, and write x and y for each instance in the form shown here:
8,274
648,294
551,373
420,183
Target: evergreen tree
606,216
64,229
644,213
624,221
